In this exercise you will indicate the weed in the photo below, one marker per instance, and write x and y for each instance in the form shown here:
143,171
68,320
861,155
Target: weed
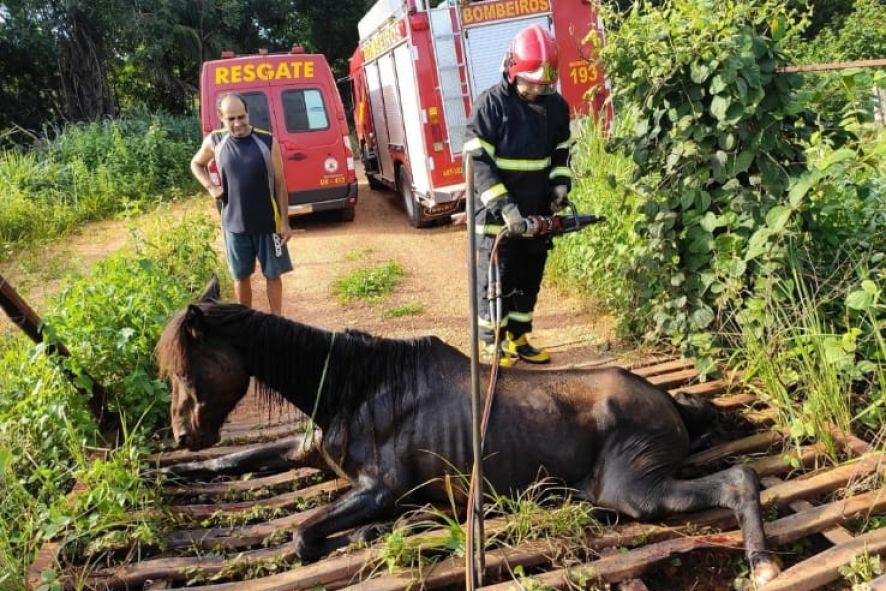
109,320
232,519
360,254
861,570
404,310
540,512
369,283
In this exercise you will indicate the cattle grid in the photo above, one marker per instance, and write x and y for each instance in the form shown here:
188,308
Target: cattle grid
805,498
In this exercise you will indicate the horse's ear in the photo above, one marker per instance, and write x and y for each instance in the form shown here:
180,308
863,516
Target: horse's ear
194,321
212,292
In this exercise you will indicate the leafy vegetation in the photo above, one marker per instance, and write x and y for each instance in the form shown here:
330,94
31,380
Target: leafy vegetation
87,172
369,283
48,439
742,225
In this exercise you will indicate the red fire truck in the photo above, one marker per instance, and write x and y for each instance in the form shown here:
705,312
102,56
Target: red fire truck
418,69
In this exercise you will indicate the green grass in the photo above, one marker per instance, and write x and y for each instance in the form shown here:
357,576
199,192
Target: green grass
593,262
93,171
430,534
810,370
404,310
360,254
370,284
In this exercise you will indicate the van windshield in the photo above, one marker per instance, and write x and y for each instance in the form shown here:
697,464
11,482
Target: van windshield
304,110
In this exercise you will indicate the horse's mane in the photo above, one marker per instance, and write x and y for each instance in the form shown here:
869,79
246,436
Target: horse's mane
171,351
287,356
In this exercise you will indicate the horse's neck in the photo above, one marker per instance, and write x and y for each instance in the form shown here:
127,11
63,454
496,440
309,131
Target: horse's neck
293,364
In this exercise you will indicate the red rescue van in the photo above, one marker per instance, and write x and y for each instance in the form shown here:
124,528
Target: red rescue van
293,96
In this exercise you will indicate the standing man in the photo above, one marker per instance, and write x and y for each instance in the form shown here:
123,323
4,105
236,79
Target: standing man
518,136
254,199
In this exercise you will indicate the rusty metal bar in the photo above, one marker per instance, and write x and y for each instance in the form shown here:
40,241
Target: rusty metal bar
877,63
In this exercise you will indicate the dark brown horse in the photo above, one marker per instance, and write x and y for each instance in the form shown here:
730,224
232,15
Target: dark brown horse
395,417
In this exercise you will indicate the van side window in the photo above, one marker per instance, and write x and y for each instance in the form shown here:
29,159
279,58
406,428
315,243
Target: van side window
259,113
304,110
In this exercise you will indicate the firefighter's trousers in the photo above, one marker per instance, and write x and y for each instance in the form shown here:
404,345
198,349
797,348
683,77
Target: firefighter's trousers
522,263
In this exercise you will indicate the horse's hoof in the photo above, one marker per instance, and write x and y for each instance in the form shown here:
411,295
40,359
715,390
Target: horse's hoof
306,552
370,532
764,570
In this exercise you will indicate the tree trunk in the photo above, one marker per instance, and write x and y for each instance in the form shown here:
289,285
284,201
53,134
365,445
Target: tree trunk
85,92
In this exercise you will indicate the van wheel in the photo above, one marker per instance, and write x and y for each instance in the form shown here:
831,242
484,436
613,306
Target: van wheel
347,212
412,206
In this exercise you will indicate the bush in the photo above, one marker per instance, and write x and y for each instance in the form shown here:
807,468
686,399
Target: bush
740,227
593,261
718,135
110,321
92,171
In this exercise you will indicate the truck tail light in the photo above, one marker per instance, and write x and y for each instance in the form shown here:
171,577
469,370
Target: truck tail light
349,153
436,130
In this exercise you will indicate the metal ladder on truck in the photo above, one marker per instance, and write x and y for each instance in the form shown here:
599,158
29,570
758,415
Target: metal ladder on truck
454,89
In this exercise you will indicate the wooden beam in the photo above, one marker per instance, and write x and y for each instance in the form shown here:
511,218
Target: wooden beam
221,489
823,568
783,531
836,535
23,316
879,584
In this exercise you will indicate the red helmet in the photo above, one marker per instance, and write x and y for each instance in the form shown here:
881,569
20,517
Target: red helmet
532,57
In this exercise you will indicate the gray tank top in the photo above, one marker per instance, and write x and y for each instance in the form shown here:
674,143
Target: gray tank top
248,180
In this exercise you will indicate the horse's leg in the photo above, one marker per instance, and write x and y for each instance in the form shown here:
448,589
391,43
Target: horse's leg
370,499
273,457
737,488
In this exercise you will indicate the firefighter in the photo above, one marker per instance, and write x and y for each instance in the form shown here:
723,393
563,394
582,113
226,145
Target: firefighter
518,136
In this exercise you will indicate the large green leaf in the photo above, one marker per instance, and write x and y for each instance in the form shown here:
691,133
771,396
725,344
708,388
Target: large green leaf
743,161
699,72
777,218
719,107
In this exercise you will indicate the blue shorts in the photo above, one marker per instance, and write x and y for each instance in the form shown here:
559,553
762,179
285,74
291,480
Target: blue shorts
242,249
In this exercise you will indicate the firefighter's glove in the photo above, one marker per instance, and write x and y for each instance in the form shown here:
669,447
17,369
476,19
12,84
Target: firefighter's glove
514,220
559,198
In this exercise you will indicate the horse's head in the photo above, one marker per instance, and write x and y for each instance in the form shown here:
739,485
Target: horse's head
207,375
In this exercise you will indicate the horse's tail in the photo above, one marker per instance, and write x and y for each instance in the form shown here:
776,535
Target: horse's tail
699,416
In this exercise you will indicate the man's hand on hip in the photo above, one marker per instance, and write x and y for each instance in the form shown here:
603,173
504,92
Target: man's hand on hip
216,191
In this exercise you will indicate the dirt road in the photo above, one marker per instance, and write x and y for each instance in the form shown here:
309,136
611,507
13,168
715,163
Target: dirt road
324,249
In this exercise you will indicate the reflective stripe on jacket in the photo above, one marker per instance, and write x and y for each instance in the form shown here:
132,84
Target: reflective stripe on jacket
520,150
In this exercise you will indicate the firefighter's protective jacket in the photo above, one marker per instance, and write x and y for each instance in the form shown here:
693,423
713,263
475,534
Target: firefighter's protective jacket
520,151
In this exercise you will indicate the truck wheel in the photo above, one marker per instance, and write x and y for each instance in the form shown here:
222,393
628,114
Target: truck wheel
347,212
412,206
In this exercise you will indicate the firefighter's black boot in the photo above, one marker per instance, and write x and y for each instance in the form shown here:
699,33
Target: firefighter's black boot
519,346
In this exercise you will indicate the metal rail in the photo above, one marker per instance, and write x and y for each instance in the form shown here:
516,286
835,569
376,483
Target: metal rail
474,555
877,63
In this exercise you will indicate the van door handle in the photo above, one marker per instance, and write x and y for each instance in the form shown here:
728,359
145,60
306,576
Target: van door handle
297,156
